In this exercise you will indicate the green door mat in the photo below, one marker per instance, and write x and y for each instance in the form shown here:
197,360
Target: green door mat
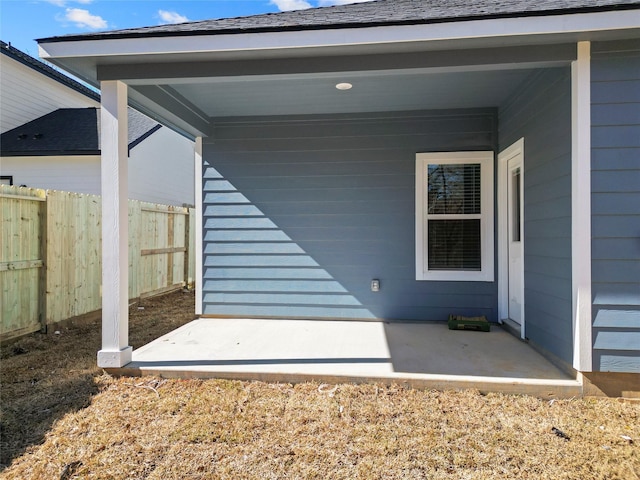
458,322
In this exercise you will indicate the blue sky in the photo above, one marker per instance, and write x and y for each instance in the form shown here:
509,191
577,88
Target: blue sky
22,21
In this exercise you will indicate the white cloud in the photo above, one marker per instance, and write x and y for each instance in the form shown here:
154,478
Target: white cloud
83,19
286,5
171,17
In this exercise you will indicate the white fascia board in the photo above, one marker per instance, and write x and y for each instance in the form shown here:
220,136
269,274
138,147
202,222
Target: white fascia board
339,37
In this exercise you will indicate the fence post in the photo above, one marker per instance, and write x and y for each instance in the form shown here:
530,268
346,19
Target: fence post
171,220
135,259
43,314
187,246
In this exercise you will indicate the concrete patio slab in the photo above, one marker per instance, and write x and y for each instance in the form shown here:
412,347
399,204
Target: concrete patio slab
420,355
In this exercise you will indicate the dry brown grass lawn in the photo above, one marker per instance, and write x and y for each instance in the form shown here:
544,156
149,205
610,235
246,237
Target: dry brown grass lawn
67,420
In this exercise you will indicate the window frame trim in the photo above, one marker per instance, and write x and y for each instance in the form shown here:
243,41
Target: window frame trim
7,177
487,216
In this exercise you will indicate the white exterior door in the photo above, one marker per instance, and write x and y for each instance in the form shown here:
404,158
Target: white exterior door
511,236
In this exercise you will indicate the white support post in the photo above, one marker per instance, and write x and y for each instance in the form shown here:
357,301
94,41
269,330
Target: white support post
115,352
199,214
581,208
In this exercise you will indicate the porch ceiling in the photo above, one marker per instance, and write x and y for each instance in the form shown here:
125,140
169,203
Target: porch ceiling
372,92
197,102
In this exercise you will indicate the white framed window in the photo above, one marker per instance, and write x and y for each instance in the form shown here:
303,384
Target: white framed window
454,216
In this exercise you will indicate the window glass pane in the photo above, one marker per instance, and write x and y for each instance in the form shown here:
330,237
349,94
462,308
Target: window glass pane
453,189
517,227
454,245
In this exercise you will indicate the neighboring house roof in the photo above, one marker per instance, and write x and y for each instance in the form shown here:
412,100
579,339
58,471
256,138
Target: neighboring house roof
43,68
69,131
375,13
139,127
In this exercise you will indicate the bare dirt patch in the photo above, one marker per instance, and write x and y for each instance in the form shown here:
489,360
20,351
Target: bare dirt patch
152,428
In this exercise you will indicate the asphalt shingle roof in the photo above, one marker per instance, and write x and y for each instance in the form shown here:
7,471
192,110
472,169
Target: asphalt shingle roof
375,13
140,127
69,131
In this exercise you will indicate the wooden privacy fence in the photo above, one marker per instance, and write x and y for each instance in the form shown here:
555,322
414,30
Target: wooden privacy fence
51,255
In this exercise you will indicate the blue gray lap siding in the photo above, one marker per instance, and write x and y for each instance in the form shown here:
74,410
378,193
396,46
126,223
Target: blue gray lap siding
615,205
302,213
540,111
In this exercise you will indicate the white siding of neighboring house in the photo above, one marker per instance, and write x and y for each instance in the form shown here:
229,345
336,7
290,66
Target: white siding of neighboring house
27,94
80,173
161,169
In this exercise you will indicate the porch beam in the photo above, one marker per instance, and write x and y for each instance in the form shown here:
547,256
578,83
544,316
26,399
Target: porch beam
511,57
115,352
174,108
581,208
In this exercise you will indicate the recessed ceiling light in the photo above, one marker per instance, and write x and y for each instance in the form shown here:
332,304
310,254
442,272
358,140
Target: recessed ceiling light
344,86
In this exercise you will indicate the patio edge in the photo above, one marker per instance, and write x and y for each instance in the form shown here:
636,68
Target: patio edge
541,388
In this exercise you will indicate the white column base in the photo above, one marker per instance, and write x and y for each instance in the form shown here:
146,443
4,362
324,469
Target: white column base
114,358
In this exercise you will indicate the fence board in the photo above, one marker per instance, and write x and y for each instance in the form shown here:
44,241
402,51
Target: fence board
21,265
191,249
135,267
20,259
69,260
162,247
74,254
